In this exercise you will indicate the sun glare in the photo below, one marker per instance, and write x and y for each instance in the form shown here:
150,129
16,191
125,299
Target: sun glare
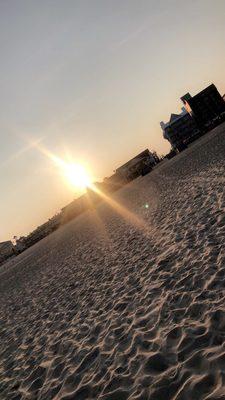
77,175
74,173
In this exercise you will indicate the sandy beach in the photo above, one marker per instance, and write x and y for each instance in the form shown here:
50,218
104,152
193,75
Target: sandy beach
126,301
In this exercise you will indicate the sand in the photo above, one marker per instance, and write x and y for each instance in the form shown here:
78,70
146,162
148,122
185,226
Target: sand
112,307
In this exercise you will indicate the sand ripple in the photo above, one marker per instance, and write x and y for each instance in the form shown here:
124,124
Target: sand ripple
103,309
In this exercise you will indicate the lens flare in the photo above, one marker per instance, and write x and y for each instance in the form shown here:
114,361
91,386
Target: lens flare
77,175
74,173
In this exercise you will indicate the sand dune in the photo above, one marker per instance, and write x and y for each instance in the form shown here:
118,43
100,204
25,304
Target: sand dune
112,307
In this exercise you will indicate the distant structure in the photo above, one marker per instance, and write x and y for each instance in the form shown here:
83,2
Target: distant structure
207,108
200,113
39,233
113,182
180,130
6,250
137,166
140,165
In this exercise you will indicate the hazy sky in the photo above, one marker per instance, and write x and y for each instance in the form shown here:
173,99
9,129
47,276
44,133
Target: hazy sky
93,78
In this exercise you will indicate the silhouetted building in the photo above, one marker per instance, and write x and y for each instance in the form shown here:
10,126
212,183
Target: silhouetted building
114,181
6,250
20,245
207,107
180,130
137,166
39,233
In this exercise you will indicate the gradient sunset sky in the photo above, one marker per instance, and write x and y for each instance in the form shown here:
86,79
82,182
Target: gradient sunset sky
93,79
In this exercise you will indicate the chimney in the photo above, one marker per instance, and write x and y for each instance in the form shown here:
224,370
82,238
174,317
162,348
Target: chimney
162,124
185,98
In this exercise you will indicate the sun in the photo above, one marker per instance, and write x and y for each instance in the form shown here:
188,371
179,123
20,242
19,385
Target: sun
77,175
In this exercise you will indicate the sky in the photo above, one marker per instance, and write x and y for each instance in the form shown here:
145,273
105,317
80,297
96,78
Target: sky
93,79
